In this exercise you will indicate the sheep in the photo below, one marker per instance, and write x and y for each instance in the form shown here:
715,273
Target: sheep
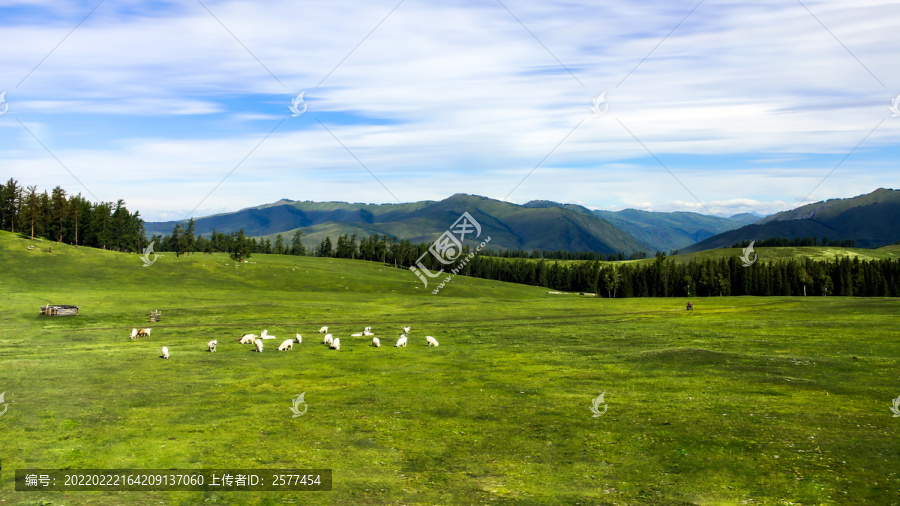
376,343
368,332
336,345
328,339
165,354
245,336
431,341
259,345
143,332
265,335
358,334
323,330
248,339
288,344
133,333
211,346
401,342
406,330
299,339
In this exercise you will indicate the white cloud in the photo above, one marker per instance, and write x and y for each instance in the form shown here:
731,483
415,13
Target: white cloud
458,97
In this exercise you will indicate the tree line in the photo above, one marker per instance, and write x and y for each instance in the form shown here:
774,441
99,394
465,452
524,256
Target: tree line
798,241
184,241
70,219
702,278
404,253
379,248
660,278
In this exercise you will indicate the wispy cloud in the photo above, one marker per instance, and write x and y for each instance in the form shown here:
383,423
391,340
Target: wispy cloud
752,103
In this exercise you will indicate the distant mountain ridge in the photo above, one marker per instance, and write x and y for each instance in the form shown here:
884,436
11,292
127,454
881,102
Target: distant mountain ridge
871,220
661,231
510,226
534,225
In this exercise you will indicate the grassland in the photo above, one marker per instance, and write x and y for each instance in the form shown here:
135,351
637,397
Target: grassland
741,401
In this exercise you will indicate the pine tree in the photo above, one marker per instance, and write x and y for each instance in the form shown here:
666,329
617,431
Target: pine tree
296,244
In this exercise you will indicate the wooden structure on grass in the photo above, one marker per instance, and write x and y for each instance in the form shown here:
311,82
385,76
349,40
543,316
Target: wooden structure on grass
155,315
59,310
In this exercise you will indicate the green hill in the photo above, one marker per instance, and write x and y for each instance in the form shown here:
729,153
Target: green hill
510,226
871,220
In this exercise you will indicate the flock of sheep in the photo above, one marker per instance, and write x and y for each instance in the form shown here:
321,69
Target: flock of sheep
333,342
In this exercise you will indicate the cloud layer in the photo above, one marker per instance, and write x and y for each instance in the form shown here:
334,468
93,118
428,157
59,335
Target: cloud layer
742,107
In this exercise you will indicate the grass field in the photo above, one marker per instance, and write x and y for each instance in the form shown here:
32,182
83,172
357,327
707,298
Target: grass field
741,401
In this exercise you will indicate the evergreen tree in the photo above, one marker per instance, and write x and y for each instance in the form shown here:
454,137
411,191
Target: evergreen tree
31,215
296,244
188,237
241,246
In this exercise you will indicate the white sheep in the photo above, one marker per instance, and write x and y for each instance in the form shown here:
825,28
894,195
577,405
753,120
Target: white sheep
211,346
248,339
401,342
143,332
328,339
251,336
323,330
376,343
259,345
165,354
265,335
368,332
336,345
299,339
133,333
431,341
358,334
288,344
406,330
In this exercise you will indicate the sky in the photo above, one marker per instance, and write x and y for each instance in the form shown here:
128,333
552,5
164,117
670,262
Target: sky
184,108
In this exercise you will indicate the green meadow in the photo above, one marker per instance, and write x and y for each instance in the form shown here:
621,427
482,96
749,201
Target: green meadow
742,401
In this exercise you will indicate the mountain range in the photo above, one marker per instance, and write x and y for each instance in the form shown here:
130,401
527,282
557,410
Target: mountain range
540,225
871,220
661,231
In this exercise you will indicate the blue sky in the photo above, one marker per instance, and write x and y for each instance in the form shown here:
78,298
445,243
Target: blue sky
721,106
